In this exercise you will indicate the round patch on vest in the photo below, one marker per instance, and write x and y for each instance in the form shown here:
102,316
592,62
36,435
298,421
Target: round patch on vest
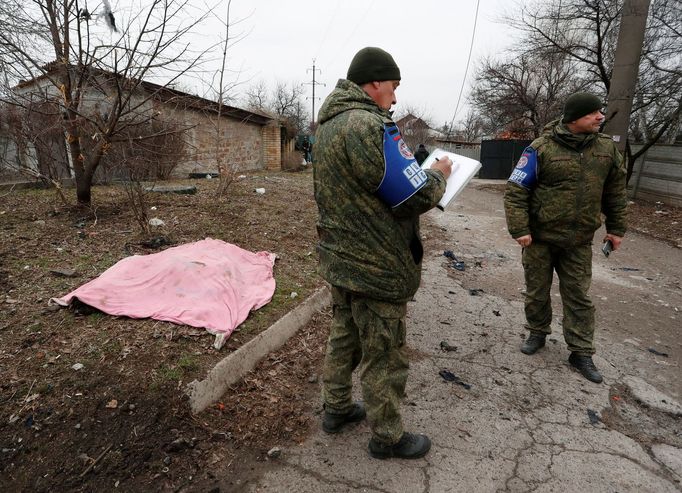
404,150
522,162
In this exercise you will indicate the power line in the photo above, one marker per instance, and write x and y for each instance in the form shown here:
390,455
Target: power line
326,31
466,70
361,19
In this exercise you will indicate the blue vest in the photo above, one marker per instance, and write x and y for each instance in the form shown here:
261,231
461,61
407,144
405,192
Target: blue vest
526,171
403,177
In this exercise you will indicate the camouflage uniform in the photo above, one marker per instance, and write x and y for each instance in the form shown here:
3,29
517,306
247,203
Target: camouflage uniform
371,255
578,178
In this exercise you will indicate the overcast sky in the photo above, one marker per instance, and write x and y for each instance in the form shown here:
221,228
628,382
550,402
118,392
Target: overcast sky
429,39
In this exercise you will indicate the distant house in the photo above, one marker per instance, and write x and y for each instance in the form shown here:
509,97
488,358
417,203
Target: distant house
416,131
410,124
248,140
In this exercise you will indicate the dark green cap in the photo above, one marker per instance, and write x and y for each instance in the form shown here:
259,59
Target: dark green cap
370,64
580,104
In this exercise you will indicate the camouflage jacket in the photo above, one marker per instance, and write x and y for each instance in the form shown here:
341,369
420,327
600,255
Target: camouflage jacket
576,178
364,245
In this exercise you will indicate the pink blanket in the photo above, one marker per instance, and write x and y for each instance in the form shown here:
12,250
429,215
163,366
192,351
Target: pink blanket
208,283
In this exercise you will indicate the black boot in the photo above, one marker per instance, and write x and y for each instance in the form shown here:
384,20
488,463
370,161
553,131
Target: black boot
334,423
410,446
585,366
533,343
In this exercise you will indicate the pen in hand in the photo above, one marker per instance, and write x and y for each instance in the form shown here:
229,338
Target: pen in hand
444,166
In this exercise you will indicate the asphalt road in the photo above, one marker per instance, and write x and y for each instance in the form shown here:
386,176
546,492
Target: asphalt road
527,423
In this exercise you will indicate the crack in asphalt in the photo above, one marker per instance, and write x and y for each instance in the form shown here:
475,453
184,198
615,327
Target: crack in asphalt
353,485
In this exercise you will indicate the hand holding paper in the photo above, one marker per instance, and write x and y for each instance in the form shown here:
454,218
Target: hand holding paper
444,165
463,170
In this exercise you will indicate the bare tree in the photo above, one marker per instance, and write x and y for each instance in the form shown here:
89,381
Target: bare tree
284,100
27,138
471,128
584,30
225,170
658,104
92,66
518,95
257,96
287,102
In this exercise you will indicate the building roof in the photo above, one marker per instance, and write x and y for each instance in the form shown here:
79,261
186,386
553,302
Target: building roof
410,121
167,94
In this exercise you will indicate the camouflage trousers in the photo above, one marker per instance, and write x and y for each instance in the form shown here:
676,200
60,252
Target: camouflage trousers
573,266
369,335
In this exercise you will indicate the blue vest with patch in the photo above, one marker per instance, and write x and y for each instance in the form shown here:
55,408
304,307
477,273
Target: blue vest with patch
403,177
525,173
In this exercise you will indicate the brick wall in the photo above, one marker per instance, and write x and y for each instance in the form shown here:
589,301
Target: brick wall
241,145
272,147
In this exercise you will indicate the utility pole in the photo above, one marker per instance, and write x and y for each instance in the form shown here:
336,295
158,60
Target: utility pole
626,70
314,83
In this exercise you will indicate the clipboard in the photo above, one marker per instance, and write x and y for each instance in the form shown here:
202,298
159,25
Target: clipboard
463,170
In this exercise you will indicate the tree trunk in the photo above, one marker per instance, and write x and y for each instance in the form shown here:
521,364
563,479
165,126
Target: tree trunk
84,167
83,187
83,181
88,167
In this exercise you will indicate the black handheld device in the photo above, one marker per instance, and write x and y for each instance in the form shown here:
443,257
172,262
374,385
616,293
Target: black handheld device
607,247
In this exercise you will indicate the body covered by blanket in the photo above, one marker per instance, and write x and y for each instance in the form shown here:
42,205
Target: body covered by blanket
209,283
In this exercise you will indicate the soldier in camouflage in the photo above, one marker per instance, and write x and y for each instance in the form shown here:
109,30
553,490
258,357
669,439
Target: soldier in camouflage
554,200
370,192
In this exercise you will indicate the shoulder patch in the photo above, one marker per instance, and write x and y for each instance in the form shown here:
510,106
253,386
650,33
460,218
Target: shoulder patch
403,177
525,173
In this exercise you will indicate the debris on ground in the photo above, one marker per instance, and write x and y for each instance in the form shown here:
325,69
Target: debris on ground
656,352
64,272
448,376
593,416
155,221
179,189
445,347
456,263
475,292
156,242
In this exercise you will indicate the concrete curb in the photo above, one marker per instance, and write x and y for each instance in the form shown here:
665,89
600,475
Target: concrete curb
234,366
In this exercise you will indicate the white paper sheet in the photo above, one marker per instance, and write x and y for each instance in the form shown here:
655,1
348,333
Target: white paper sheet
463,170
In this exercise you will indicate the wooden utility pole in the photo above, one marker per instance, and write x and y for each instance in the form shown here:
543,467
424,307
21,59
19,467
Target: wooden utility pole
626,69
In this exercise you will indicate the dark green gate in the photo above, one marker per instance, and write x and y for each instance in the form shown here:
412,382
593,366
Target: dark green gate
498,157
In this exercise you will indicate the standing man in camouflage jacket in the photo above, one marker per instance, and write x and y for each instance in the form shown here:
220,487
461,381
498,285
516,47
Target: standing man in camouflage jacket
370,192
554,200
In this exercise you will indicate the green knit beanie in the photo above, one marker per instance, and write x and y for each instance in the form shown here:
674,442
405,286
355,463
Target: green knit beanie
580,104
370,64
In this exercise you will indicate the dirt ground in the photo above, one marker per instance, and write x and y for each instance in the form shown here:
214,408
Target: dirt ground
123,420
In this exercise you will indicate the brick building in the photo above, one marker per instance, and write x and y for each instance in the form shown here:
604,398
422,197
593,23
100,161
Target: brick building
246,140
238,139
